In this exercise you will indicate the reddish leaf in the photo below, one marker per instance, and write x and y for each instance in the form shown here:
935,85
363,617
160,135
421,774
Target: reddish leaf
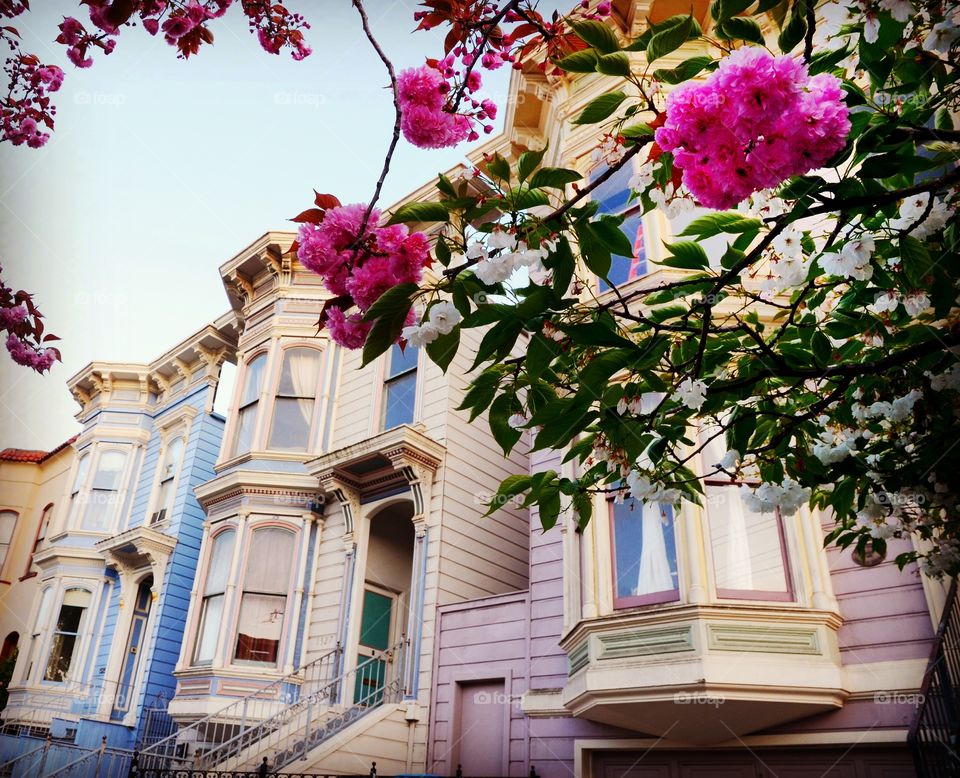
119,12
310,216
326,201
48,338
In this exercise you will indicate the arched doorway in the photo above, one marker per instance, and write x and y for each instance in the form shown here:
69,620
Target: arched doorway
9,649
136,640
386,598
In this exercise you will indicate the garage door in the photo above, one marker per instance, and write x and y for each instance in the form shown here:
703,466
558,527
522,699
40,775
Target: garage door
756,763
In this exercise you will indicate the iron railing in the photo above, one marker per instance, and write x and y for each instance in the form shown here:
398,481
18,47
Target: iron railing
321,711
101,762
66,760
269,772
180,749
37,705
935,731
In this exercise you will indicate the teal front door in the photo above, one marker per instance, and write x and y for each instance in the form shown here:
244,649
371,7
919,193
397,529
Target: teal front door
134,648
375,627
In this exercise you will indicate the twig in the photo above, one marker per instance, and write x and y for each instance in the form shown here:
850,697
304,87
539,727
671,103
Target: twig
809,7
491,26
396,122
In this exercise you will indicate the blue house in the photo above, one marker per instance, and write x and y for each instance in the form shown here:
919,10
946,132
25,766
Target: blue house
116,574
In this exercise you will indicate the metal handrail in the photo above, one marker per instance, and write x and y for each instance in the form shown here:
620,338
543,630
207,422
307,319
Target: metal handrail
8,765
99,753
221,725
293,731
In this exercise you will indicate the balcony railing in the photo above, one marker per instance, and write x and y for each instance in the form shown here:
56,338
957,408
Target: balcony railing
935,732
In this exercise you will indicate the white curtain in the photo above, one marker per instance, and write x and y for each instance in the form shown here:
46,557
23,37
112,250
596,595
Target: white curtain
219,567
270,561
655,574
737,566
303,367
261,616
210,626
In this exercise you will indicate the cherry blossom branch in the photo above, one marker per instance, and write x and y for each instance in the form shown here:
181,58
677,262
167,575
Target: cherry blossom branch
484,38
365,22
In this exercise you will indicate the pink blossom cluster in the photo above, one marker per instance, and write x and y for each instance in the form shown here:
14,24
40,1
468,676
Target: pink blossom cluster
24,354
427,119
28,111
357,268
752,124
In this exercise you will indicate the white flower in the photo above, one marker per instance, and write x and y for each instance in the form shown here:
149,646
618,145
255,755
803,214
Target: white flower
853,261
642,489
871,27
418,335
477,251
948,380
678,206
912,210
642,178
499,239
494,270
730,460
885,302
916,303
787,243
834,446
941,37
902,407
691,393
551,331
901,10
517,420
444,316
788,496
525,257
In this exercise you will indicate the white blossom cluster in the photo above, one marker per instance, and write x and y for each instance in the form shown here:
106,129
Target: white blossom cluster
788,496
509,254
441,319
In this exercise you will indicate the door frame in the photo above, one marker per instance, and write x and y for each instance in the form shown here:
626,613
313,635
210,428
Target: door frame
141,652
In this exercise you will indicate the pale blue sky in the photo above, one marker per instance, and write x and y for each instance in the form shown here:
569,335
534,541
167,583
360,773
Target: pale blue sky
160,169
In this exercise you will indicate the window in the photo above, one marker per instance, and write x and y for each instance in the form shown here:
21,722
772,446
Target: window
66,634
41,536
749,553
613,195
39,625
644,553
295,400
264,600
249,397
400,386
83,466
104,491
168,475
8,522
211,606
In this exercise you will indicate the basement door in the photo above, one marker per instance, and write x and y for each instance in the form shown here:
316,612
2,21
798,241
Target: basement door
480,727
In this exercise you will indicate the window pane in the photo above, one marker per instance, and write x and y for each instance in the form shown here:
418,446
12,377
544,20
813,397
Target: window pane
81,476
291,424
401,360
220,557
399,401
253,379
245,422
171,459
61,657
300,374
164,501
109,470
613,193
269,561
8,520
645,550
260,627
624,269
211,616
75,602
747,548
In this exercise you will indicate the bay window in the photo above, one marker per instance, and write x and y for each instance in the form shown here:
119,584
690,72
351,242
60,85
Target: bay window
168,475
8,522
399,387
613,196
105,491
263,603
214,593
644,553
66,634
247,408
295,400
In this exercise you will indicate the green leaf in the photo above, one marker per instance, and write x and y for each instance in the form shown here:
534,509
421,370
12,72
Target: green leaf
717,223
616,64
528,162
499,167
511,486
607,229
396,299
917,261
793,31
420,212
600,108
672,38
740,28
597,34
554,177
641,130
444,349
481,392
505,435
687,254
549,507
684,71
595,254
524,198
579,62
724,9
384,333
822,348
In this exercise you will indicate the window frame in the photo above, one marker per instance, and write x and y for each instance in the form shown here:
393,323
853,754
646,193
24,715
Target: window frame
254,404
43,529
204,596
38,633
629,210
126,450
275,396
755,595
389,379
174,435
241,583
76,653
75,506
9,544
639,600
